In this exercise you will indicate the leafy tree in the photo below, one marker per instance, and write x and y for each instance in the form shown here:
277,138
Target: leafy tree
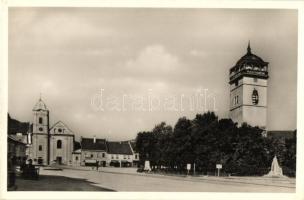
162,133
145,146
203,140
206,141
289,162
181,145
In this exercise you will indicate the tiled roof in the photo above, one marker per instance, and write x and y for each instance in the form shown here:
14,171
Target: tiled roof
88,144
15,126
132,143
280,134
119,148
15,139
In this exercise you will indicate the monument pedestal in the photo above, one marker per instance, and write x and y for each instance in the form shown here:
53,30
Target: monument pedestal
147,166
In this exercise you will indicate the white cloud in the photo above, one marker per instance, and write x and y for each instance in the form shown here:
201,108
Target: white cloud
153,59
195,52
55,28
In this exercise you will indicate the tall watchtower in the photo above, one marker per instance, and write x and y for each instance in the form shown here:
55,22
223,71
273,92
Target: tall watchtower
248,90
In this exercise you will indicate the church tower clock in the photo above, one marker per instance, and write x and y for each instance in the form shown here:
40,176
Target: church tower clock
40,136
248,90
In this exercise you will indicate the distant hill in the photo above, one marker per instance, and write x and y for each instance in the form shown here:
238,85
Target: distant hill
14,126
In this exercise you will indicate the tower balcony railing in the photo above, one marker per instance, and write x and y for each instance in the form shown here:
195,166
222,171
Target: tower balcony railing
248,72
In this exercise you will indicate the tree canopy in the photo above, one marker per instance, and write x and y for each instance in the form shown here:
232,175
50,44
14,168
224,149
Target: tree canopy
206,141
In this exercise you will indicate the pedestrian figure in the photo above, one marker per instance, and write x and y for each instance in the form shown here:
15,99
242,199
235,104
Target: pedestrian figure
97,165
11,172
23,164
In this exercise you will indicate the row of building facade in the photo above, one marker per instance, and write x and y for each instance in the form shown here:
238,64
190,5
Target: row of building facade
105,153
49,145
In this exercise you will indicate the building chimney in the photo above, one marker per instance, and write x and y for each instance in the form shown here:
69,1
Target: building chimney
94,139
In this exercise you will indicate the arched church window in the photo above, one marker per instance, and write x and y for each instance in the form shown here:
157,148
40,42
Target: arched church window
59,144
40,120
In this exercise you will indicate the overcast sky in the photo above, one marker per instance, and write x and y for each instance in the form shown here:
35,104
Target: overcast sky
70,54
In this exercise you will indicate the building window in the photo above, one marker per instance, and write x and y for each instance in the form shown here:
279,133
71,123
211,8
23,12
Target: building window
255,97
59,130
40,129
117,157
40,120
112,157
236,100
135,156
125,157
59,144
103,155
40,147
76,158
237,83
92,155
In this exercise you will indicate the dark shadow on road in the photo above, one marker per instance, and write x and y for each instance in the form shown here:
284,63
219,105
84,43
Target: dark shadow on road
57,183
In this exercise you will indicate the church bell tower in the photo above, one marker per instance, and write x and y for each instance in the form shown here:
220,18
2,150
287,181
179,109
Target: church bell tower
40,136
248,90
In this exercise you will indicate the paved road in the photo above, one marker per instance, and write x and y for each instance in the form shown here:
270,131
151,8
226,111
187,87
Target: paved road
119,181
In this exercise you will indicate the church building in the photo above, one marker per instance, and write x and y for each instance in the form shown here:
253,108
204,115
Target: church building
248,90
49,145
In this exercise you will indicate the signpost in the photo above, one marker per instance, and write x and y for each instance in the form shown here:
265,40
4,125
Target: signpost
188,168
218,167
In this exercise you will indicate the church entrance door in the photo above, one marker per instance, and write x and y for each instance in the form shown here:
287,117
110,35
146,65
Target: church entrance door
59,160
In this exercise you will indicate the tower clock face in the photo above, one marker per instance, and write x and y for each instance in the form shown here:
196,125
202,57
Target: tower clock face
255,97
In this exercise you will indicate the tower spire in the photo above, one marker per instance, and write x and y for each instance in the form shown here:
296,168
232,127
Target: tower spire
248,48
40,97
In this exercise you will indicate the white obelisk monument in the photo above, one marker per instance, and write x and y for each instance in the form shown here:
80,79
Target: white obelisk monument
276,170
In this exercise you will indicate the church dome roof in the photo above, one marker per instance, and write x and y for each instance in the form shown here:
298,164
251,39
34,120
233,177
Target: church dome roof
251,59
40,105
